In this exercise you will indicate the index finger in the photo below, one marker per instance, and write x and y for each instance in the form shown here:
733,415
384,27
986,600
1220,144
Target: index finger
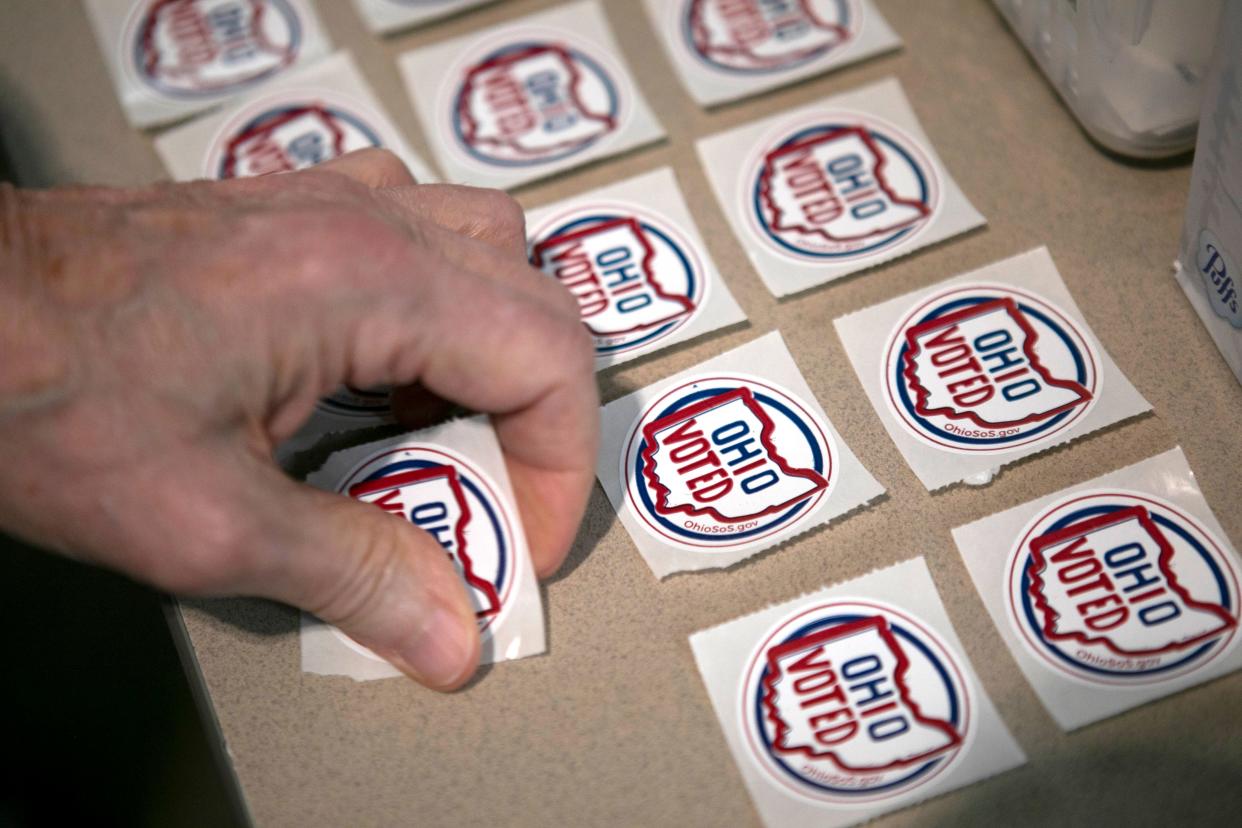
496,348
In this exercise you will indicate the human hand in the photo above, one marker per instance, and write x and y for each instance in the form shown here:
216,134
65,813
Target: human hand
158,343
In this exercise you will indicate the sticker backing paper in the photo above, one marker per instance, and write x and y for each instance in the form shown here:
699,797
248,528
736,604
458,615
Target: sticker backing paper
983,369
833,188
1112,593
386,16
852,701
170,60
726,459
450,481
633,258
729,49
535,96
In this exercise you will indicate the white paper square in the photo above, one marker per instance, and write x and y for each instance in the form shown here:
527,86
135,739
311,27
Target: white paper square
532,97
843,647
1091,655
300,119
632,256
385,16
457,461
1071,388
704,489
223,48
833,188
724,50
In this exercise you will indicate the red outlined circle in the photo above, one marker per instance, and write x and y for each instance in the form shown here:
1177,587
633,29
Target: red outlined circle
985,288
733,380
1037,648
750,681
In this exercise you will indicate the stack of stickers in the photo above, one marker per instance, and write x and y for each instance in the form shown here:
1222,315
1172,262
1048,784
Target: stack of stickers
847,702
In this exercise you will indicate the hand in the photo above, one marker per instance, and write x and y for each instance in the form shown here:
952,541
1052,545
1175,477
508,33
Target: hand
156,344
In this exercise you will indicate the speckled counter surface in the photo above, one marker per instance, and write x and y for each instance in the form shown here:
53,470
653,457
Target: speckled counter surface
612,726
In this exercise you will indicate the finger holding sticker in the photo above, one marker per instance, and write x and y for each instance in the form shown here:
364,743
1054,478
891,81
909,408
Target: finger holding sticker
191,328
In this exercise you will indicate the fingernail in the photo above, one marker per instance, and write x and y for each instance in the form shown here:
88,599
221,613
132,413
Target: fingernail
441,655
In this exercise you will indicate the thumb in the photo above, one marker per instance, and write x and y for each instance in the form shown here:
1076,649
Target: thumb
384,582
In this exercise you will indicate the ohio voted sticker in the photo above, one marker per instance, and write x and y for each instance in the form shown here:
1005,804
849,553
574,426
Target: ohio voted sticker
726,459
642,275
174,57
443,494
848,700
529,98
1115,586
450,482
852,701
304,118
205,47
728,49
833,188
979,368
1111,593
975,372
386,16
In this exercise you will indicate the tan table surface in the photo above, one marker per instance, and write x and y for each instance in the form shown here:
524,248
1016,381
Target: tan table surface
612,726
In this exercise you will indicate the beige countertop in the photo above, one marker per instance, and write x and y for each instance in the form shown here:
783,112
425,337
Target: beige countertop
613,726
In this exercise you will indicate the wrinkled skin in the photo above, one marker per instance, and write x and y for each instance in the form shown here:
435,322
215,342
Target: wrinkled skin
158,343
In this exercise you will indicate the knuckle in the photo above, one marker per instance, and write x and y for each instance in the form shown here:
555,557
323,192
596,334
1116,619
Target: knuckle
504,213
566,303
210,562
575,344
383,160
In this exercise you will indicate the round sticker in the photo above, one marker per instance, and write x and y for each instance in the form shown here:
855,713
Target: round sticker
292,132
533,102
758,37
851,701
446,496
988,368
723,461
840,187
1121,588
209,48
636,276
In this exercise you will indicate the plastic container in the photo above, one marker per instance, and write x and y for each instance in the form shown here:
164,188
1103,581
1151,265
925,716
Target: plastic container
1131,71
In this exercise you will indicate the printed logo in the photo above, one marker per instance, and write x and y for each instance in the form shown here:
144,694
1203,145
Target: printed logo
444,495
533,103
349,401
191,48
987,368
721,462
1120,588
289,136
1218,278
636,278
852,701
843,188
758,36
